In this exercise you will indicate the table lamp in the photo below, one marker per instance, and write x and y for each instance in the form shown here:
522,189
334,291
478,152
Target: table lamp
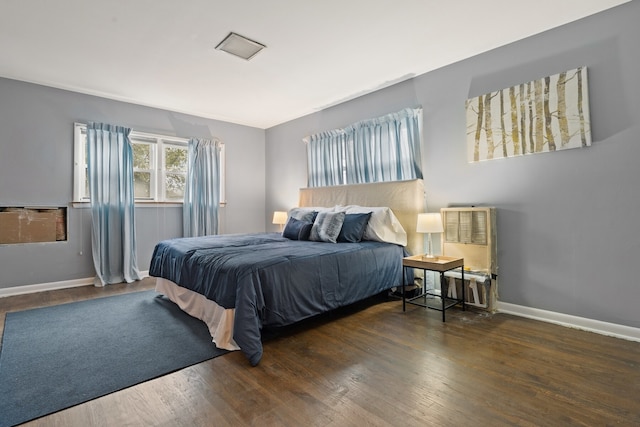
429,223
280,217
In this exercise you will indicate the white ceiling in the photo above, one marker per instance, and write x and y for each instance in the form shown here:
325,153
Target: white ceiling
160,53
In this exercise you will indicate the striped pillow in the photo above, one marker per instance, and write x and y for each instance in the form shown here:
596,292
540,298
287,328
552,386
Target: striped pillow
327,226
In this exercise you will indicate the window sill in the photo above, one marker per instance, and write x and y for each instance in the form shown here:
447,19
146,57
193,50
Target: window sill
141,204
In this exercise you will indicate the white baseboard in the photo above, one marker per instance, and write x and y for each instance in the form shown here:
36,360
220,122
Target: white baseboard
41,287
597,326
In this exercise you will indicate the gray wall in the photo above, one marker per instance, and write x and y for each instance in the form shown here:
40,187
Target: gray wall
568,228
36,169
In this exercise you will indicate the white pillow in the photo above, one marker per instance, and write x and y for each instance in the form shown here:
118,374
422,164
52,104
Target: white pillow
383,225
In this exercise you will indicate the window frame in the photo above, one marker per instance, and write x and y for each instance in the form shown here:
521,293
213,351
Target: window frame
158,143
153,168
163,171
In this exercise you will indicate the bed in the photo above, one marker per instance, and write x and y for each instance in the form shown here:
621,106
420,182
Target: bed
238,284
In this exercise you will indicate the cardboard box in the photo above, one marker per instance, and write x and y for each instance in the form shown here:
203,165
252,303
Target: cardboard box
27,226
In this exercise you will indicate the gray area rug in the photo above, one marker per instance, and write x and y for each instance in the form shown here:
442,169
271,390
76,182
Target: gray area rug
56,357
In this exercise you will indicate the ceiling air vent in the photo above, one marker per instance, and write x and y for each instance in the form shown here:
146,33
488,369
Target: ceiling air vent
240,46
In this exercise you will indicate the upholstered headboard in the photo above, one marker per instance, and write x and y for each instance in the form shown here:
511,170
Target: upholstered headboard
405,198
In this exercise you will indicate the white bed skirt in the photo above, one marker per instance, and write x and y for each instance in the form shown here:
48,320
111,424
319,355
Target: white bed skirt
218,319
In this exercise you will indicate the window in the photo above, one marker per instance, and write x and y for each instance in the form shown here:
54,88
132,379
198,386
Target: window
159,167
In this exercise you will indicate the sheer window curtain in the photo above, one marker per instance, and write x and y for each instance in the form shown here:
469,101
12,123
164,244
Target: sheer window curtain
326,158
386,148
202,188
113,231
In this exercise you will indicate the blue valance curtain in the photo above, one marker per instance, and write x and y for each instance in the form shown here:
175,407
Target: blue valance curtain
202,188
386,148
113,231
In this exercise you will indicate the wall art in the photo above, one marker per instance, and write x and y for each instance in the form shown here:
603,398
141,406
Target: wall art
548,114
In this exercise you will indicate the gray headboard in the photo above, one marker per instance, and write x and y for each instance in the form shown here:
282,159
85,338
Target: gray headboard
405,198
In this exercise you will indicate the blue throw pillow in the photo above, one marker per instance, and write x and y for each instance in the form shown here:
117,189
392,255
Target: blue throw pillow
297,229
327,226
354,227
305,231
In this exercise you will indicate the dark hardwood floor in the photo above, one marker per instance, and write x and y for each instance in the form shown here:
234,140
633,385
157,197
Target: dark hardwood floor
375,365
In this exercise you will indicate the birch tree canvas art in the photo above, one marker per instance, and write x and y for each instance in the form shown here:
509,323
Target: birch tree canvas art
548,114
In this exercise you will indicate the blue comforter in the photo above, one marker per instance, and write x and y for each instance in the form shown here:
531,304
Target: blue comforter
273,281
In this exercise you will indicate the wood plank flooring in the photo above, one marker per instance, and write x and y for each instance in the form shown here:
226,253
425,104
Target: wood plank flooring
374,365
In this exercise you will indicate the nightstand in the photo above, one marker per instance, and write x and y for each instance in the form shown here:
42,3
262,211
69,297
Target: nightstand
429,298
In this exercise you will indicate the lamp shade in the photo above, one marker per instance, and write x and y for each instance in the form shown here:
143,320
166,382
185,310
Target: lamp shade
429,223
279,217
